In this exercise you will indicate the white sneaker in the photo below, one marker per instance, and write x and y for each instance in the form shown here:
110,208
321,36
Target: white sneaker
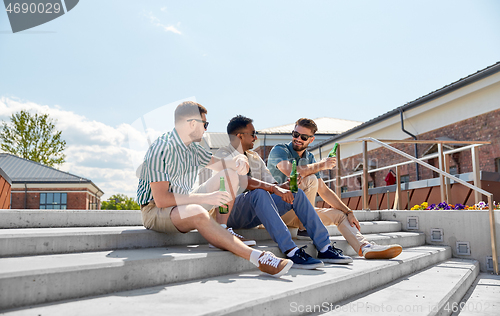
247,242
374,251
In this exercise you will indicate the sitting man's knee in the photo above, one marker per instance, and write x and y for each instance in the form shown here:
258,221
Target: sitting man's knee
193,212
310,181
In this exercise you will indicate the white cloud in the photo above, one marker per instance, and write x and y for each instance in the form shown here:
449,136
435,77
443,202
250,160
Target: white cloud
156,22
94,150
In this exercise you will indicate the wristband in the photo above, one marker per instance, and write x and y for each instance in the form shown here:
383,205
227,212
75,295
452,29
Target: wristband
349,212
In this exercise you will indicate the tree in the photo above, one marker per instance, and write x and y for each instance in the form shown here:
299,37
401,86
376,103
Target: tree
33,136
119,202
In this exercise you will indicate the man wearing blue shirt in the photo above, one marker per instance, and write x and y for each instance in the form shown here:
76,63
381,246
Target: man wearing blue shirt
279,163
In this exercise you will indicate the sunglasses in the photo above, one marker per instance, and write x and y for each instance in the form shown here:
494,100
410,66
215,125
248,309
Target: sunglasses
304,137
253,134
205,123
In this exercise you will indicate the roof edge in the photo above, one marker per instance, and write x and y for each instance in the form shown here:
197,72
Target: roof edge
479,75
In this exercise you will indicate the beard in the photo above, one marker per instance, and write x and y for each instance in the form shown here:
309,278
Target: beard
298,147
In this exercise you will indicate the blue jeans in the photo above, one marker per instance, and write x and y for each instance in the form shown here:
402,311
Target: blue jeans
257,207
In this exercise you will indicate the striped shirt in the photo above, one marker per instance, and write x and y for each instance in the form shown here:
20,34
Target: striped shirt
169,159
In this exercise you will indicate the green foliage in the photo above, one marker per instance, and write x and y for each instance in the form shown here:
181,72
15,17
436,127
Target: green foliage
119,202
33,137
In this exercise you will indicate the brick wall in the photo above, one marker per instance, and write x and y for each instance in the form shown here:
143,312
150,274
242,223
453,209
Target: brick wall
260,151
484,127
75,200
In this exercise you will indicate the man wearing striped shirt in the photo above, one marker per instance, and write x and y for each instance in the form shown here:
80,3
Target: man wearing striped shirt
165,192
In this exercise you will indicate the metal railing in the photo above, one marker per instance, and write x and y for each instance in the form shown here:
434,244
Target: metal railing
445,177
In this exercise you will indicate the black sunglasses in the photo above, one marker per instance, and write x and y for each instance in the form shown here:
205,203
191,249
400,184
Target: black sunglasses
253,134
304,137
205,123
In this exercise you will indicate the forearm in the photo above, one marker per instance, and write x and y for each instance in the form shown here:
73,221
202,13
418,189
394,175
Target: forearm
218,164
286,168
258,184
309,169
173,199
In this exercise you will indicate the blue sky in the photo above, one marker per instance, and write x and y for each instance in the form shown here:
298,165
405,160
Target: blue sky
103,65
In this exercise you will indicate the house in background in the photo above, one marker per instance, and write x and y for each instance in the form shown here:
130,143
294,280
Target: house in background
35,186
465,110
5,184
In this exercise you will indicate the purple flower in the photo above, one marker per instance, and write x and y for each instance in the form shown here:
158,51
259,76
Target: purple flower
459,206
432,207
443,206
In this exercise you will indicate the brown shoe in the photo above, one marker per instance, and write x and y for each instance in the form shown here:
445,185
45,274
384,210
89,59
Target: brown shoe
272,265
247,242
374,251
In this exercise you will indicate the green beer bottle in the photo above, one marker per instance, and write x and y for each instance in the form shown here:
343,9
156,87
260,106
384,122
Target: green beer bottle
223,210
293,178
333,152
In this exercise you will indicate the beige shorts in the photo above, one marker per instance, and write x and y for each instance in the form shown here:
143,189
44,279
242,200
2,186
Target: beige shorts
158,219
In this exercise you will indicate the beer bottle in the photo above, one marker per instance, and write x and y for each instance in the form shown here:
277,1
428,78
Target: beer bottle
293,178
333,152
223,210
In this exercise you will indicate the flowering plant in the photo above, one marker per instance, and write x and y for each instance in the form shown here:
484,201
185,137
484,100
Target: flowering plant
444,206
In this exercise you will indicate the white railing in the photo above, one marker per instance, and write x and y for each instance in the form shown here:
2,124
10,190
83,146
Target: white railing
443,171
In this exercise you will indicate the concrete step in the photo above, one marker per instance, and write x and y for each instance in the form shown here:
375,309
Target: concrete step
371,227
47,278
405,239
97,218
247,293
68,218
38,241
433,291
482,298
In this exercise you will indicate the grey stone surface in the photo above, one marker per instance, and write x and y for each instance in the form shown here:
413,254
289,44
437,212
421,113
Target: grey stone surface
251,293
432,291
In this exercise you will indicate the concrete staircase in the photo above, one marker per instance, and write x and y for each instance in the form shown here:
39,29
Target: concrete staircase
106,263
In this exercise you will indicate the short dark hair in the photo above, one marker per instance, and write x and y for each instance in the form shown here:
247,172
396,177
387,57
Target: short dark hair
308,123
188,109
237,123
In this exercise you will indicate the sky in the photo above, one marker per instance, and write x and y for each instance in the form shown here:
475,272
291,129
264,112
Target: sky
108,69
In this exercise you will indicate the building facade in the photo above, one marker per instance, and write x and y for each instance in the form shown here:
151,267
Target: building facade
35,186
466,110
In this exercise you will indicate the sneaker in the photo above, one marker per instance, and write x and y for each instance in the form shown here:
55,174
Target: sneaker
272,265
303,235
247,242
374,251
333,255
302,260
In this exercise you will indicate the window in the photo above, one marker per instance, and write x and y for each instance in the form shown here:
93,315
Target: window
405,178
53,201
453,170
343,189
371,185
497,164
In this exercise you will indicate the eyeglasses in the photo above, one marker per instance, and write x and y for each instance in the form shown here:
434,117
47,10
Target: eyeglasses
304,137
205,123
253,134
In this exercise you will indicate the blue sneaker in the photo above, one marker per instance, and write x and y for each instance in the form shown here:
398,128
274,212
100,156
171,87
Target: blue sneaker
333,255
302,260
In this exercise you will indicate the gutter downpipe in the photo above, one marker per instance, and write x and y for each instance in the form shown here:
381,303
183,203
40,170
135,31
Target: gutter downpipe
25,195
414,137
265,148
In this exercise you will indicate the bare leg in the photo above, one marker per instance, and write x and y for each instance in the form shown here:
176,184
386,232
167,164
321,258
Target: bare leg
196,217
